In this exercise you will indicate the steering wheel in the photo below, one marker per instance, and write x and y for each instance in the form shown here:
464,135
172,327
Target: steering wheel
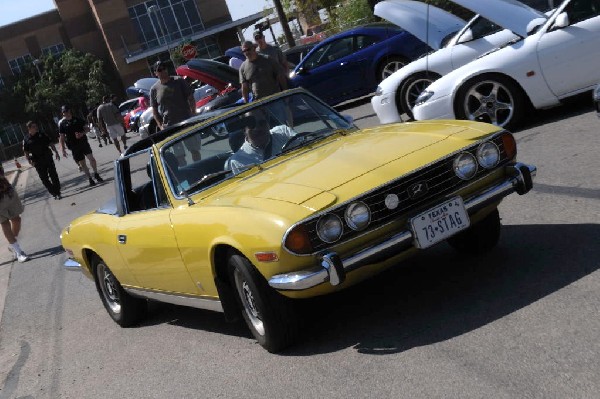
298,136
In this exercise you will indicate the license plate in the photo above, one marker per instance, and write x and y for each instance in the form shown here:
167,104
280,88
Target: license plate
439,223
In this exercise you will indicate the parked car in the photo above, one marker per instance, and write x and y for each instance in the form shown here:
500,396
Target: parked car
397,93
352,63
556,58
332,206
295,54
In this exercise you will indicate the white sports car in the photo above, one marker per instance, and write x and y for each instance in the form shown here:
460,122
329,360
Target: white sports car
397,93
559,58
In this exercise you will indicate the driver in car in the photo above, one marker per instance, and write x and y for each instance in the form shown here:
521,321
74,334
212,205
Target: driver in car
260,143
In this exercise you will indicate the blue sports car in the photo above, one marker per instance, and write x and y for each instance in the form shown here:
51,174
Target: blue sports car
352,63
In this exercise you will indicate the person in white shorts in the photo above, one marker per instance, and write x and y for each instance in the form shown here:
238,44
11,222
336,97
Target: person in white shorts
111,121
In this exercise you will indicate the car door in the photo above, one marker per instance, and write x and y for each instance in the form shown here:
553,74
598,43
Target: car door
145,237
569,56
332,70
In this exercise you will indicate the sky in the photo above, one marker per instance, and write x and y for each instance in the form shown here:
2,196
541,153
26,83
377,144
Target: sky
15,10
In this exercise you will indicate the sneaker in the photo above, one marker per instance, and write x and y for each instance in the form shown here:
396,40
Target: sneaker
92,182
22,257
97,176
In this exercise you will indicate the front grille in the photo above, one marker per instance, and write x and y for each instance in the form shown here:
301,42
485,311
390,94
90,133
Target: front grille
440,178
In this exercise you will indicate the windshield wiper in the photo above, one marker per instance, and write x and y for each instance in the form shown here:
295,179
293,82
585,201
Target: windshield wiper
301,139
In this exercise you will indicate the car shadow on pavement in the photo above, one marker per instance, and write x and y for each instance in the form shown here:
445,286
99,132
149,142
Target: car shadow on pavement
574,106
440,295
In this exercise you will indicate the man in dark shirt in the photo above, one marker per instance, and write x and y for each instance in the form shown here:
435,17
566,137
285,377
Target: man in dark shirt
260,74
72,132
36,147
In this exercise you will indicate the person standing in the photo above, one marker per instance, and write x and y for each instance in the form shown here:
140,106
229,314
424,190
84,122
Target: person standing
92,119
111,121
72,132
37,149
259,74
11,209
272,52
172,101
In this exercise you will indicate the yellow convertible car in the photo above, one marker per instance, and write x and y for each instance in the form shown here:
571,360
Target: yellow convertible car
248,211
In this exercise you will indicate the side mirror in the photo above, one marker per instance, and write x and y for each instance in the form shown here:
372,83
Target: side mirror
561,21
467,36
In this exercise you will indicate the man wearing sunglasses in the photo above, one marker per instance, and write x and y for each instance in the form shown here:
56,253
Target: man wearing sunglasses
275,53
259,74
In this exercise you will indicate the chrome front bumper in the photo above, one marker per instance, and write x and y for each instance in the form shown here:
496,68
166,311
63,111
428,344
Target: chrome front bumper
333,269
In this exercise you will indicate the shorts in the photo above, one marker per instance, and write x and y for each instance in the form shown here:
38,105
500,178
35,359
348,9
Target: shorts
10,207
81,151
115,131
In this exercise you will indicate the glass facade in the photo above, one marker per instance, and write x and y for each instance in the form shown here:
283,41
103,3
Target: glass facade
158,22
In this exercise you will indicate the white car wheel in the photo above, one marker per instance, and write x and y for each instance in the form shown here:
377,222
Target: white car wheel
410,89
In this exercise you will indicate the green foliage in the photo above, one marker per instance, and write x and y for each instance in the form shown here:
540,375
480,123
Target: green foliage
74,78
351,13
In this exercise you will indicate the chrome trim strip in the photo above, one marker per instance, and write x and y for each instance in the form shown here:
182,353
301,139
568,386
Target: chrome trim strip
72,265
308,278
177,299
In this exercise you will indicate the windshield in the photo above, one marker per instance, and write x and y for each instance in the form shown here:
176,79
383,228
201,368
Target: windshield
247,138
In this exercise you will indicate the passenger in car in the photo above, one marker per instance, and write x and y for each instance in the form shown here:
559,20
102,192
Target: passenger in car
261,142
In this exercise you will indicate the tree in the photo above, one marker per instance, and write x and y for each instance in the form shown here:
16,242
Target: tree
72,78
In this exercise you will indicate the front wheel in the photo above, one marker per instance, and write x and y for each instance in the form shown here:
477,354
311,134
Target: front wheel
492,99
411,88
124,309
480,237
269,315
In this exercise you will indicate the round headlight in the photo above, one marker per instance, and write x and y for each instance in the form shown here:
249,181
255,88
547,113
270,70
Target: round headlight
465,166
358,216
488,155
329,228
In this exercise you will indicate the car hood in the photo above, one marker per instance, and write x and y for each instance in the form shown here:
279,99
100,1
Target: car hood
142,86
510,14
210,72
426,22
344,167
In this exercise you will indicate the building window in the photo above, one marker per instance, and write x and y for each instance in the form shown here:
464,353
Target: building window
158,22
56,49
17,65
11,134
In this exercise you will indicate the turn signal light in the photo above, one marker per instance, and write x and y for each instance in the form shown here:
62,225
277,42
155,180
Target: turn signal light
510,145
297,240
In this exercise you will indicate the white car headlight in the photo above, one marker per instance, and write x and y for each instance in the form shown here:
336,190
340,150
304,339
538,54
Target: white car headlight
488,155
358,216
423,97
330,228
465,166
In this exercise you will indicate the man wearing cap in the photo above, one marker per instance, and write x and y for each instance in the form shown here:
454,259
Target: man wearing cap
111,121
275,53
172,101
259,74
73,136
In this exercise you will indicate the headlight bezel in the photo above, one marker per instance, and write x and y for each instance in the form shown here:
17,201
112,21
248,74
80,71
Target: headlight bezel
332,218
463,156
480,156
352,221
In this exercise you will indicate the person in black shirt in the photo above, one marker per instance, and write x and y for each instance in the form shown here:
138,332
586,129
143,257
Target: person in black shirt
73,136
36,147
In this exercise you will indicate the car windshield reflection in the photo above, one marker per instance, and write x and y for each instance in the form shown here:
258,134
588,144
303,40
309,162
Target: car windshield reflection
249,137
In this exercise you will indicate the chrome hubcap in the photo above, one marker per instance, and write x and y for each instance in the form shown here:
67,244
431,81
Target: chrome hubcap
249,303
489,101
109,289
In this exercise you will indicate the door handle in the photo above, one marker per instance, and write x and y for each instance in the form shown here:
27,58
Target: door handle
122,238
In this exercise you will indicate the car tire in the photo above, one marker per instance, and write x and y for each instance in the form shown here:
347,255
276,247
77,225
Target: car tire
480,237
269,315
410,89
389,66
123,308
493,99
